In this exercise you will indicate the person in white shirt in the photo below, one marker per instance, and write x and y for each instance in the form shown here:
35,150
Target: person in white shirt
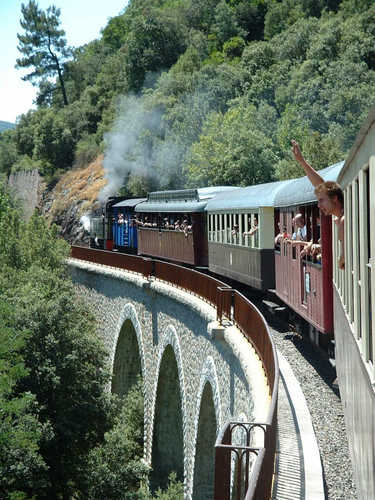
301,232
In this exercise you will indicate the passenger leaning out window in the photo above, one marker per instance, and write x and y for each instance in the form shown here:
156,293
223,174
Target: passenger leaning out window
330,197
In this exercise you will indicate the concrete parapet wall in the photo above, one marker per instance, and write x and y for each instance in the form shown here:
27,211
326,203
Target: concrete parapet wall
220,377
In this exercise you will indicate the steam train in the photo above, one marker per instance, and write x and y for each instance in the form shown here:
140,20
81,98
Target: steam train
234,232
231,232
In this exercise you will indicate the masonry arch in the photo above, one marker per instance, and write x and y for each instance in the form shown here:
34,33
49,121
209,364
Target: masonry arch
203,483
127,362
208,419
169,414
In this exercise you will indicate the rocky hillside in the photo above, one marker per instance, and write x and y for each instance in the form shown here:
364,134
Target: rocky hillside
73,197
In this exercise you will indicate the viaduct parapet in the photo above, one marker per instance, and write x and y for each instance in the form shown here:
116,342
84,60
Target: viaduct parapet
196,374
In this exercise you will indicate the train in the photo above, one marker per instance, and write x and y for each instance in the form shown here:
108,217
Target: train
249,235
231,231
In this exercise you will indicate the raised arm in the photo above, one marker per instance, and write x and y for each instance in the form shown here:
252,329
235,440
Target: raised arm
312,174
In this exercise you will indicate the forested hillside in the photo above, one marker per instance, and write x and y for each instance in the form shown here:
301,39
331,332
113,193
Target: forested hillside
180,93
5,126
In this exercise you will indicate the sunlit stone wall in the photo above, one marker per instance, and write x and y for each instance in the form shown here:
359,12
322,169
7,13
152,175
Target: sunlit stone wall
26,188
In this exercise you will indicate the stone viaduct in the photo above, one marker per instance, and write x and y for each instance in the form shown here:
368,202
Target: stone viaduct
196,374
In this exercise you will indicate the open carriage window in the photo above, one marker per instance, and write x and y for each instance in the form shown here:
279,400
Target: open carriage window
278,231
235,229
313,250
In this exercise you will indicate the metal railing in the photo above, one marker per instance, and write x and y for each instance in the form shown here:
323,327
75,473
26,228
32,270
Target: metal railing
241,470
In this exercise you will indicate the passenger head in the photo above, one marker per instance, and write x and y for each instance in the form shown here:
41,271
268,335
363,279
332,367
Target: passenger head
330,198
299,220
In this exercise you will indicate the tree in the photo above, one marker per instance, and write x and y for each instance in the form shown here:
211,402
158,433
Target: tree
8,151
232,151
60,368
43,44
154,43
22,468
115,470
226,25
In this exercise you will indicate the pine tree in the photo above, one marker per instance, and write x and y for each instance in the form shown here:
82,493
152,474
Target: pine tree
43,44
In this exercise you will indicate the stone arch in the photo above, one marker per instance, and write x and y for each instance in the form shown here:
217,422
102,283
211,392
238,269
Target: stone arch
203,483
169,415
208,421
127,357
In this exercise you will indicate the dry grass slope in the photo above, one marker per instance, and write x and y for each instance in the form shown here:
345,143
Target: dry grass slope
79,186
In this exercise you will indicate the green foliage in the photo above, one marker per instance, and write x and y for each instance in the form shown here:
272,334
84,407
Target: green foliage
8,151
350,7
114,34
25,164
174,491
115,469
21,464
59,372
232,151
86,151
250,16
154,43
233,47
225,26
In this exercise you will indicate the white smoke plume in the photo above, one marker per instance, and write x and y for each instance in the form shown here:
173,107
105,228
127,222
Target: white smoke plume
139,144
129,144
85,221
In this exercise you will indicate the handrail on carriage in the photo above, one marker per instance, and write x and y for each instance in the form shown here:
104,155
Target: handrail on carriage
252,479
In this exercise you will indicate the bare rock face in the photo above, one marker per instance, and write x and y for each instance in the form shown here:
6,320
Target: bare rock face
74,196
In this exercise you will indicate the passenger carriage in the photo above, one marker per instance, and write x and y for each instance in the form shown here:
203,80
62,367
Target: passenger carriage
305,283
172,225
124,225
354,307
233,251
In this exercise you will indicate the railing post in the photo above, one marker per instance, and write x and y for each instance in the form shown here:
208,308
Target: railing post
148,268
219,305
223,467
220,291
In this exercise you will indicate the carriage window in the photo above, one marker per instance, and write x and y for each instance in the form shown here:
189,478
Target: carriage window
368,267
305,288
286,221
217,233
294,252
355,262
236,230
255,230
242,229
